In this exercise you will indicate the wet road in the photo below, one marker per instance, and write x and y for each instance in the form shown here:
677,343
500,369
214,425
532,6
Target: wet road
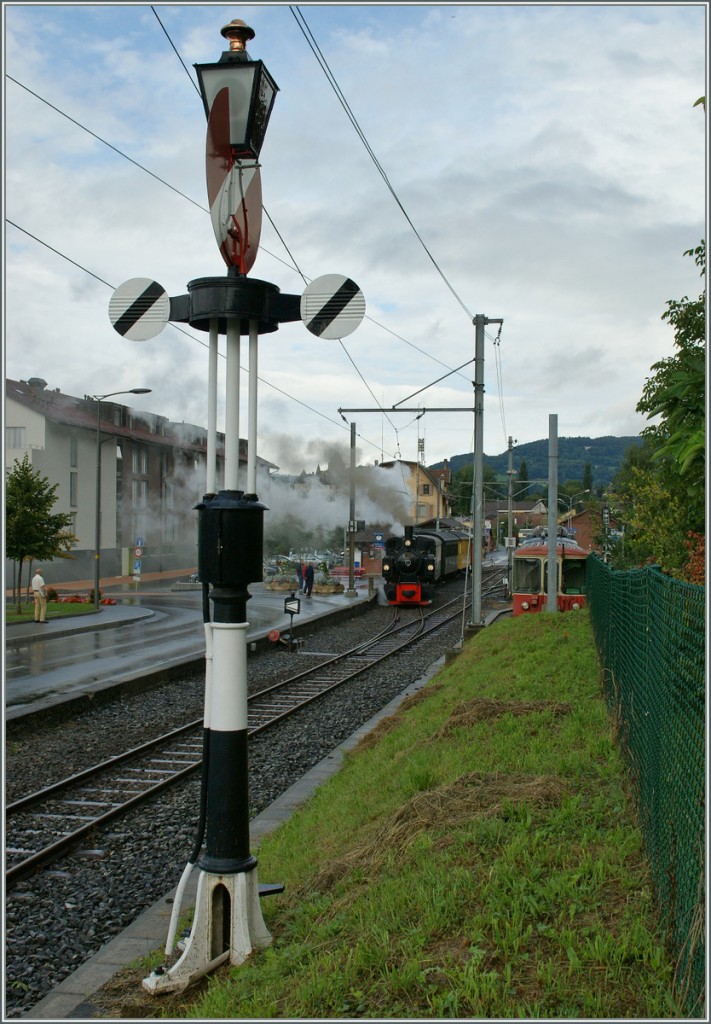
47,664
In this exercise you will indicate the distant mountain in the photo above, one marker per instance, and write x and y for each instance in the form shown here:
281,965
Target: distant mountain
605,455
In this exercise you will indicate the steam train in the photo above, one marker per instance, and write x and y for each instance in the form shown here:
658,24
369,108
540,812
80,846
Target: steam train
415,563
530,573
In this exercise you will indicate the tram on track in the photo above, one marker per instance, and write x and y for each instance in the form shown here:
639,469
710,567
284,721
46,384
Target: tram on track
530,574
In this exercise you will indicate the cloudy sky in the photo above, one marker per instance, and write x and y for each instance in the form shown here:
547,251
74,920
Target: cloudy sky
546,166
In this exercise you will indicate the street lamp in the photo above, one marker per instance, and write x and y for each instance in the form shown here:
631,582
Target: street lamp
249,96
571,501
97,542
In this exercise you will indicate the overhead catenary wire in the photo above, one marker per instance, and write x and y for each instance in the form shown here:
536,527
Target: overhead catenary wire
175,49
499,380
323,63
308,35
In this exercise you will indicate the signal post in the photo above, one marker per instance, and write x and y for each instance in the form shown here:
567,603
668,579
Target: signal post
238,94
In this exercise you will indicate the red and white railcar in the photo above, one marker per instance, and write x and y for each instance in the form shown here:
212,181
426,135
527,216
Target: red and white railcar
530,575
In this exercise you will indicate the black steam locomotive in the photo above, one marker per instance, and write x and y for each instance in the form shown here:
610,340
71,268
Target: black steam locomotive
415,563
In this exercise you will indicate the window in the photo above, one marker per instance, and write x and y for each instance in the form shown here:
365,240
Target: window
15,437
73,452
574,576
73,489
527,575
425,488
139,461
140,493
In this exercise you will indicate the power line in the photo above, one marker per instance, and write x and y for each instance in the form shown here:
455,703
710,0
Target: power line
323,63
315,49
352,361
130,159
499,379
291,266
192,80
162,181
187,334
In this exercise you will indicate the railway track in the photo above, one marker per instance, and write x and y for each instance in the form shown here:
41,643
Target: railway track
44,825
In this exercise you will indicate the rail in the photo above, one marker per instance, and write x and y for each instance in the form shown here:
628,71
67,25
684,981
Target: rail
45,824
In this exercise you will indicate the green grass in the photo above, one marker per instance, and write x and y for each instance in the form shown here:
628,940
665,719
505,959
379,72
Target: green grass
55,610
480,860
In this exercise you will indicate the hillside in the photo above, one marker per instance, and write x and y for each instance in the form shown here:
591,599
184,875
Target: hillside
605,455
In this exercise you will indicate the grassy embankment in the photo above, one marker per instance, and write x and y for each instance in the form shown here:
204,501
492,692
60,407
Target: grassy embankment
477,856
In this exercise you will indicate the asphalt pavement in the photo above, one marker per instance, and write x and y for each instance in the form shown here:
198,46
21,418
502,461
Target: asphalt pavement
152,629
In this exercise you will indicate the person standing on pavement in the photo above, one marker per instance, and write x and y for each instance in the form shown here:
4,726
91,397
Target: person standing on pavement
300,574
39,591
308,579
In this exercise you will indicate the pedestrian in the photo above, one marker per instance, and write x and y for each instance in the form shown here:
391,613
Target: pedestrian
308,579
39,590
300,574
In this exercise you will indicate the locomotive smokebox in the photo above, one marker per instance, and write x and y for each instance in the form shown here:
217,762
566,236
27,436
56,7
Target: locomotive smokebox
230,539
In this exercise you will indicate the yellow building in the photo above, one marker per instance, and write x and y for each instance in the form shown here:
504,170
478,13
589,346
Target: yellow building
426,490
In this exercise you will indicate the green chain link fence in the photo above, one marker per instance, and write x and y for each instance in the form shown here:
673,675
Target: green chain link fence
650,636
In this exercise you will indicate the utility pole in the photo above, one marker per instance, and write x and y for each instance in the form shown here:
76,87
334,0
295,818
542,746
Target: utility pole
480,322
351,517
511,472
552,605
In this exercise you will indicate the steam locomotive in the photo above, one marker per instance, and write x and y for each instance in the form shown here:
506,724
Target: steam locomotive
415,563
530,573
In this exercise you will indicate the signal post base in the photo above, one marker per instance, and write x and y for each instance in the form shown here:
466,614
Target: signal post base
227,927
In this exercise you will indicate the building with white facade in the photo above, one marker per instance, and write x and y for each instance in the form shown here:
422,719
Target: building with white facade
153,473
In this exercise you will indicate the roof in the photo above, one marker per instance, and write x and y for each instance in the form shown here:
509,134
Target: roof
414,467
71,411
369,536
442,523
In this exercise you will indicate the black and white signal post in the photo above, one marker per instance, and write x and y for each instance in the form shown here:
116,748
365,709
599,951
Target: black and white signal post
238,94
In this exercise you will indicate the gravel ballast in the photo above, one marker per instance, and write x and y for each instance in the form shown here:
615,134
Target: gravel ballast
64,915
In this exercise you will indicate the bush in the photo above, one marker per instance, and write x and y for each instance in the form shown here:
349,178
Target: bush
52,594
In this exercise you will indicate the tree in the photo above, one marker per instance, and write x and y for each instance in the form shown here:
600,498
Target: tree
587,478
461,487
32,530
677,394
659,491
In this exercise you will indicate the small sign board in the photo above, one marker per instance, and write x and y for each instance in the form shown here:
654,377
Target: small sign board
140,542
137,567
137,552
332,306
139,309
292,605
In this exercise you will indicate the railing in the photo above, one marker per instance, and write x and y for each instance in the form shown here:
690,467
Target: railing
650,635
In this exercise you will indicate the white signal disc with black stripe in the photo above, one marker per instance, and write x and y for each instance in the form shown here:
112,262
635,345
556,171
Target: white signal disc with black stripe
139,309
332,306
